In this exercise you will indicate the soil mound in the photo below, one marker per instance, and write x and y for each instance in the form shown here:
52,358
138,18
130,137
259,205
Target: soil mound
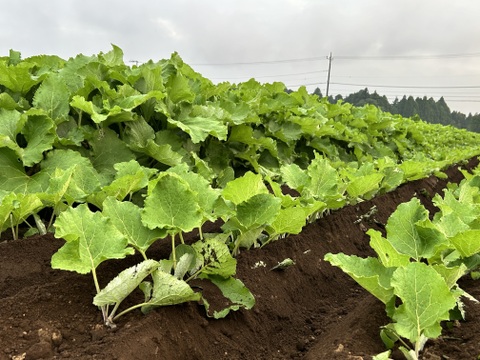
308,311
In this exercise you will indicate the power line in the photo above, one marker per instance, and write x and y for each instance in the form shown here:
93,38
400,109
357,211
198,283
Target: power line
408,57
269,76
346,57
261,62
410,86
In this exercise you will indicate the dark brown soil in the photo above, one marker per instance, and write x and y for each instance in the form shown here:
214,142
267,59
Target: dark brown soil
308,311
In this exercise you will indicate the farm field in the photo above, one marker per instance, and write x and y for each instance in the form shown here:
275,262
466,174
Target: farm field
308,311
146,212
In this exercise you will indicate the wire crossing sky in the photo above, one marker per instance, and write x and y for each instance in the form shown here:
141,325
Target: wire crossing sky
399,47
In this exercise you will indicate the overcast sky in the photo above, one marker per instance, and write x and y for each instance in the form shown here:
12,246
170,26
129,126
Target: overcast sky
420,48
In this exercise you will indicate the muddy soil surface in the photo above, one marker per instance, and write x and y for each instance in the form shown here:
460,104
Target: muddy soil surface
308,311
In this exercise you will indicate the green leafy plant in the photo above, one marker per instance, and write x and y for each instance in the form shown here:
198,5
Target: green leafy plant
412,274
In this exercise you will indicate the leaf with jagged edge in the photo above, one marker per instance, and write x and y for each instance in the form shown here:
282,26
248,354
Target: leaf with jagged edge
202,121
85,179
91,239
214,258
168,290
369,273
259,210
235,291
18,78
171,204
15,208
124,283
53,96
126,217
426,301
206,195
244,187
411,233
40,134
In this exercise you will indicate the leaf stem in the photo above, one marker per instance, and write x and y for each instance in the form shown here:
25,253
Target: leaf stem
128,310
174,255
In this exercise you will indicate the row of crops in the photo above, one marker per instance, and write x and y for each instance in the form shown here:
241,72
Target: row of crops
114,158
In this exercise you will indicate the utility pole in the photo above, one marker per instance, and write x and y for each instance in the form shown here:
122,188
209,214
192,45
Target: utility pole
329,69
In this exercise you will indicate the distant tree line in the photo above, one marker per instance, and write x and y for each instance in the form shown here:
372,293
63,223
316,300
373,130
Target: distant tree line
427,109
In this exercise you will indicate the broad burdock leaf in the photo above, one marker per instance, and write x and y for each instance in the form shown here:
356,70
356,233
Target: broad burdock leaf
235,291
85,179
178,89
171,204
455,216
467,243
130,177
368,272
18,78
426,301
206,195
107,150
140,137
53,96
387,254
126,217
451,274
91,238
243,188
11,124
214,258
15,208
256,140
364,186
295,177
259,210
411,233
168,290
201,121
39,132
12,173
290,220
35,126
324,184
124,283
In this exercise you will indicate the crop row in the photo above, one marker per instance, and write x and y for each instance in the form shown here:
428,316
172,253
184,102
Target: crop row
419,263
113,158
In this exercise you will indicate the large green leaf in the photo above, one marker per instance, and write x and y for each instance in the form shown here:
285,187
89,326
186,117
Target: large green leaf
426,301
467,242
168,290
171,204
85,179
410,231
259,210
53,96
124,283
15,208
90,237
369,273
244,187
126,217
202,121
387,254
214,258
18,78
235,291
206,195
289,221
